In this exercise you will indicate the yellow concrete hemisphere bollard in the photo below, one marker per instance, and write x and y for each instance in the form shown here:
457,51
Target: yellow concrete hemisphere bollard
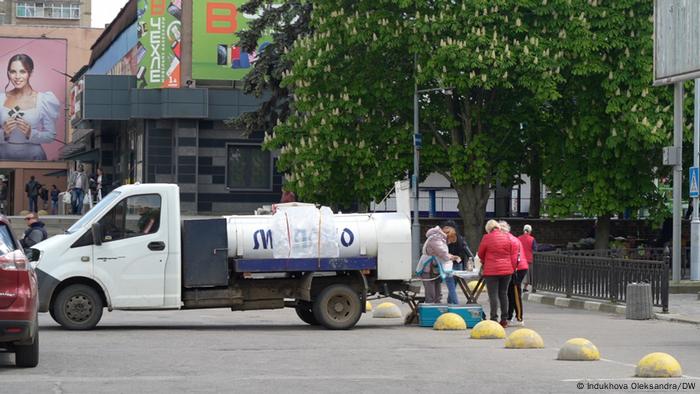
450,321
368,306
387,310
488,329
579,349
524,338
658,365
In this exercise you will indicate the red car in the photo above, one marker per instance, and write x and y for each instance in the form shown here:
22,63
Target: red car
19,297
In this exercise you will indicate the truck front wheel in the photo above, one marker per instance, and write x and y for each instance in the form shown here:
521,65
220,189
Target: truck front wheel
337,307
78,307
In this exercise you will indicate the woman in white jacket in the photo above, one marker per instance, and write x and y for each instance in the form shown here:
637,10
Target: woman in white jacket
434,257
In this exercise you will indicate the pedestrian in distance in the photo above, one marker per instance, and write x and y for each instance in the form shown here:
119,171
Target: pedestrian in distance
54,199
32,189
3,195
98,184
44,194
529,246
499,259
515,299
288,196
35,231
78,186
436,263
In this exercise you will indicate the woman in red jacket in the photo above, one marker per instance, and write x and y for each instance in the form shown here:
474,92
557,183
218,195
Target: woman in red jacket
499,259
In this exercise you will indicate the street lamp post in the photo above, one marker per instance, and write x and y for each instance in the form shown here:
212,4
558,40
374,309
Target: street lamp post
417,142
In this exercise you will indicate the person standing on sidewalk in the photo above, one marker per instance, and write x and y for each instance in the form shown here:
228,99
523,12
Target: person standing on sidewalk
459,247
78,185
54,199
529,245
435,259
32,190
515,300
499,259
35,231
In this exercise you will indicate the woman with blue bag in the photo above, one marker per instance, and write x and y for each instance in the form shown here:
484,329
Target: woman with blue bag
435,264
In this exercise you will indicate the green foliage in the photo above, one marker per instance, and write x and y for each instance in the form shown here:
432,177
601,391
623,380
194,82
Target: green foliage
285,23
605,150
558,86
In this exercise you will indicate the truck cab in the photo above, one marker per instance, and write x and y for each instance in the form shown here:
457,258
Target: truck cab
123,254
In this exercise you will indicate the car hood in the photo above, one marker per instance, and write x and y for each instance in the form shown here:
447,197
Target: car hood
56,244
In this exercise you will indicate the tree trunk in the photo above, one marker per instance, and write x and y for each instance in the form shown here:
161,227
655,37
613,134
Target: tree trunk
535,196
472,209
602,232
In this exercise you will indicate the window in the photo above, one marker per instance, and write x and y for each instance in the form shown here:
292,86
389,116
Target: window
248,167
33,9
7,244
132,217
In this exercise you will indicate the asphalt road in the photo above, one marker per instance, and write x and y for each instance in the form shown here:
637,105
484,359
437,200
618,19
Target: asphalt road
215,351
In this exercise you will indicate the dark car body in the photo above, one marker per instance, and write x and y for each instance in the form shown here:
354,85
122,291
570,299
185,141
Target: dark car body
19,297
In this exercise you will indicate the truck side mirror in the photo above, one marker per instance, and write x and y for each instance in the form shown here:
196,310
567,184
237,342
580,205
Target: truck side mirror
96,234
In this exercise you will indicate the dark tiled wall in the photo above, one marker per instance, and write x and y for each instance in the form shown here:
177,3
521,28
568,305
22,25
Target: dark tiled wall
159,151
213,195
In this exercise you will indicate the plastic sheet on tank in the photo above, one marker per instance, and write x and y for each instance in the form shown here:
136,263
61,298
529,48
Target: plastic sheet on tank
303,232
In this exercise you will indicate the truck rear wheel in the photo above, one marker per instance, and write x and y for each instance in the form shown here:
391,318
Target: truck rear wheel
78,307
337,307
306,314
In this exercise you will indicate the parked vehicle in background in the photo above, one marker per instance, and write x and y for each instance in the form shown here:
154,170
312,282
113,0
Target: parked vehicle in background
19,298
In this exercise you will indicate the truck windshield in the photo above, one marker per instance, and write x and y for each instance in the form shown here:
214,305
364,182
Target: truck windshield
94,212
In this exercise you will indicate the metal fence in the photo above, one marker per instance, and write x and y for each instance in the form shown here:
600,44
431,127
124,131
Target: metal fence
577,274
641,253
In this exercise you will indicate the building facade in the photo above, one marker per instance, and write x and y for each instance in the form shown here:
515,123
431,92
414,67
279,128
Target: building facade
155,101
64,13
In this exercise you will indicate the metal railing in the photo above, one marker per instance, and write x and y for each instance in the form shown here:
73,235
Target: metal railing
641,253
605,278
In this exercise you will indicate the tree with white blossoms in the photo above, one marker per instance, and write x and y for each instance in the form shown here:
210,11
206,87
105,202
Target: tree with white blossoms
604,154
349,135
571,78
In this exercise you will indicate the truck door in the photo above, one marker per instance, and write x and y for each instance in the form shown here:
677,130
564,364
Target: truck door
132,258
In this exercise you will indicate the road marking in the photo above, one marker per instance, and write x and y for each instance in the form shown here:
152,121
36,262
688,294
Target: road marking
618,362
58,380
84,379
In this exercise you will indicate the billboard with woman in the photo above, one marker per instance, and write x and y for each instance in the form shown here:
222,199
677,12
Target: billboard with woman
32,101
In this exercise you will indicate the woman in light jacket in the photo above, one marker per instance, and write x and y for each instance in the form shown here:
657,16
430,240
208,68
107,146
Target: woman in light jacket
499,259
435,247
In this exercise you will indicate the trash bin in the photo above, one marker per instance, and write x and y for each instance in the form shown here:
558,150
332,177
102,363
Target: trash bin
639,302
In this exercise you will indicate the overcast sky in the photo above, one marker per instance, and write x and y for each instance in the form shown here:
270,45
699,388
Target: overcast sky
104,11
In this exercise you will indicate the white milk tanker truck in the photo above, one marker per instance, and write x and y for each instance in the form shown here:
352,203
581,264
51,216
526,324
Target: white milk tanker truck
132,252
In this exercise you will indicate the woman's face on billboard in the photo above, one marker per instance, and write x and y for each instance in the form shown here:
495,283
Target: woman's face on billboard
18,75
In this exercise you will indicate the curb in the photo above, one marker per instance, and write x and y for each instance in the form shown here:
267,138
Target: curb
598,306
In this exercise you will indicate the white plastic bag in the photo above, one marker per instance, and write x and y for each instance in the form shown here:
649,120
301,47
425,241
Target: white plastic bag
304,232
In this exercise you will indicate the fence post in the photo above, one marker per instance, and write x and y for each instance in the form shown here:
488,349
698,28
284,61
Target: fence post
569,279
533,276
664,284
614,281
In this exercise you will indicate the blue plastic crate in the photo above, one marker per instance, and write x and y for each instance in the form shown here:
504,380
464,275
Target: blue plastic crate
470,313
428,313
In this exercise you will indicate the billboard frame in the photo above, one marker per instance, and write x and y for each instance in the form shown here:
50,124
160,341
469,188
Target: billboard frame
680,76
